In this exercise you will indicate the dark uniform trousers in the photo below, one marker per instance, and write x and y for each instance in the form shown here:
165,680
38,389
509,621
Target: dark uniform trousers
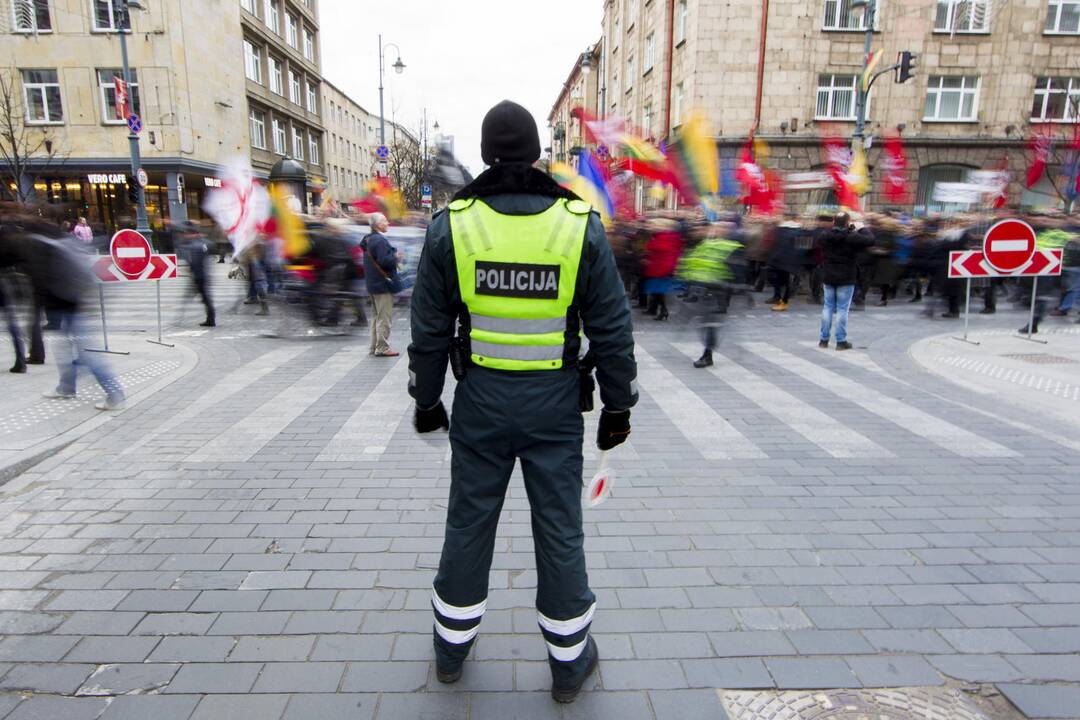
533,417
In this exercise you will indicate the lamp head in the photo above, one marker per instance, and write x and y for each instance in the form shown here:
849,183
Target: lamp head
399,67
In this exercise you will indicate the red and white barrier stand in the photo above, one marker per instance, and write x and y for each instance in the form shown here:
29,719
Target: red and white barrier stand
131,259
1009,250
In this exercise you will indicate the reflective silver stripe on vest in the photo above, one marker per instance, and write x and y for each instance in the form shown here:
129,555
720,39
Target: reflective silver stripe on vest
517,326
497,351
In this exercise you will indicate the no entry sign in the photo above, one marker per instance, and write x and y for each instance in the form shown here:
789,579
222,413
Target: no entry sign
130,252
1009,245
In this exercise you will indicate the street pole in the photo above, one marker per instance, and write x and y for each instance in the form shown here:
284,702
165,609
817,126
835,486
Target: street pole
142,225
382,118
863,94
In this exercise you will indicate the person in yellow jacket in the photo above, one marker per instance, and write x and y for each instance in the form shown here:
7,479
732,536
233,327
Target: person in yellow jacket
512,273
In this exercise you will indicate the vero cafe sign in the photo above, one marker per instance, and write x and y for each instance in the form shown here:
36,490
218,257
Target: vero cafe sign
107,178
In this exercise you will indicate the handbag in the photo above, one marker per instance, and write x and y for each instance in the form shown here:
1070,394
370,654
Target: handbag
393,281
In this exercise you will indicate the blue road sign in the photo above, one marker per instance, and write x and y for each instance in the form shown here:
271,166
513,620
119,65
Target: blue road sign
425,189
134,123
382,152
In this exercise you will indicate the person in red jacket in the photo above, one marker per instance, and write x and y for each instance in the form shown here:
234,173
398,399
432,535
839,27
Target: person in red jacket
662,253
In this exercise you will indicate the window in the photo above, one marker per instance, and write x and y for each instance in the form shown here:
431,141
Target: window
677,105
1064,16
952,98
257,123
840,15
631,13
629,73
273,16
646,120
836,97
962,16
252,62
41,92
298,143
309,45
680,22
294,87
291,32
616,34
31,15
313,148
277,76
650,49
107,17
279,136
1056,99
248,5
107,88
615,88
312,99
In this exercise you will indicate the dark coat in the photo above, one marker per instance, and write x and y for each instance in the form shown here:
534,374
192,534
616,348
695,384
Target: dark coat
841,249
785,254
380,263
57,268
600,298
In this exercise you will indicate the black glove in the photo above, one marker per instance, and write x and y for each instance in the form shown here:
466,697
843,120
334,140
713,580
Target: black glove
614,428
431,419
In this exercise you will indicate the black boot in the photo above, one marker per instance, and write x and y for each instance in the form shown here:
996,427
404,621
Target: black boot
704,361
565,686
19,366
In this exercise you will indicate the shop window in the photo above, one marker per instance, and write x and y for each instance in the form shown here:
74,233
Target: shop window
41,94
107,92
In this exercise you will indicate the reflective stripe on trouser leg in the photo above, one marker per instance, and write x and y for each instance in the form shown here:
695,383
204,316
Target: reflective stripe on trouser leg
455,624
566,638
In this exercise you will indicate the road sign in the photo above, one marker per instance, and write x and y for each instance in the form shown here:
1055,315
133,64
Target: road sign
142,178
382,152
134,123
159,267
121,97
603,153
425,189
130,252
972,264
1009,245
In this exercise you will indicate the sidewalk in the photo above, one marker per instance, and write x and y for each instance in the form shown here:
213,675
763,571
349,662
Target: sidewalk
33,427
1041,378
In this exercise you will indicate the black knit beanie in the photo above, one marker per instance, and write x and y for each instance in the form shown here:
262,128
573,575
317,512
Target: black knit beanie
509,135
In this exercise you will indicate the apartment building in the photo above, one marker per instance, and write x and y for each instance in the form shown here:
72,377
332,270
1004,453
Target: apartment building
352,135
581,90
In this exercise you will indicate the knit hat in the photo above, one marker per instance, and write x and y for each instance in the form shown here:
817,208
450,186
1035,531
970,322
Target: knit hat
509,135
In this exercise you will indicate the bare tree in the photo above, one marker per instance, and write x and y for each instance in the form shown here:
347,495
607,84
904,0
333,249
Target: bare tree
20,144
406,169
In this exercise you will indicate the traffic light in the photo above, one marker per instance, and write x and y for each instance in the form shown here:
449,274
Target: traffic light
906,71
133,193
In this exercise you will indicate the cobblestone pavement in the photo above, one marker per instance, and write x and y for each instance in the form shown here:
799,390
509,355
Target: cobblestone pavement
261,538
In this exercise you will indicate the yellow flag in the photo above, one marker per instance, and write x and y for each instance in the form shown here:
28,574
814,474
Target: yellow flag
859,173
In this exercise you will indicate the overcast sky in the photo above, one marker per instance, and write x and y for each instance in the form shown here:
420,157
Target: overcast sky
462,57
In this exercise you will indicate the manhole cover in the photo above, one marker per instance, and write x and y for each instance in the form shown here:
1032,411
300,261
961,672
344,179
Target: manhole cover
898,704
1040,359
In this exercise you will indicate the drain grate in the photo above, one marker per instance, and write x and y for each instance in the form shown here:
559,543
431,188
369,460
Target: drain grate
1040,359
894,704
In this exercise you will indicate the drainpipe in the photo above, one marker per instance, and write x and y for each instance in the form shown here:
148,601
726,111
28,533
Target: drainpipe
761,64
670,56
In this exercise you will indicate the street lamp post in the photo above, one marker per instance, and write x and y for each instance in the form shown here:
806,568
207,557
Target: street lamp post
122,7
864,92
399,67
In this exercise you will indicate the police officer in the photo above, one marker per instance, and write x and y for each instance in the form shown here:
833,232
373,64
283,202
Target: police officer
517,268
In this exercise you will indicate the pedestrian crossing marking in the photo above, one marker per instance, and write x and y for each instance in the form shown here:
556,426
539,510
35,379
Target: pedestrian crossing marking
368,431
858,359
713,436
247,436
236,381
826,432
938,431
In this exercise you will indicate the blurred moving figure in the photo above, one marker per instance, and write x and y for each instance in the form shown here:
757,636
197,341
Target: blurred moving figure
841,248
662,252
195,250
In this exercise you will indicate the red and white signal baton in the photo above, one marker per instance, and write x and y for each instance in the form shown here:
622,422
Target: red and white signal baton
599,488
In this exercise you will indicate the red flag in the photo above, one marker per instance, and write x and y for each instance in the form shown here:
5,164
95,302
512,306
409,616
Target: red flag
838,157
752,177
894,170
1039,145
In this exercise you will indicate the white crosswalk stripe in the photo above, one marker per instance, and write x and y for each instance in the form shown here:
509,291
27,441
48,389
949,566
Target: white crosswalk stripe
713,436
246,437
938,431
368,431
236,381
826,432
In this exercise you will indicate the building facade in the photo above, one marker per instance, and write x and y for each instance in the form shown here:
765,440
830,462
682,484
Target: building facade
990,73
192,63
351,138
581,90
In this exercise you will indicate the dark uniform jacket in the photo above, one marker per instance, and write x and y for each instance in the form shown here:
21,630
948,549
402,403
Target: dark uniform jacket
517,189
841,249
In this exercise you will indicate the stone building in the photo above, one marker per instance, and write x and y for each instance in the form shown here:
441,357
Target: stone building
192,62
989,73
581,90
352,134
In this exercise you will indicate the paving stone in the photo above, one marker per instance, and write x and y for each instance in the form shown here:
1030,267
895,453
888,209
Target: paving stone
35,648
360,647
687,704
316,622
975,668
217,707
178,623
985,640
60,678
828,642
229,601
300,677
158,707
58,708
670,645
124,679
272,649
101,650
622,705
894,671
445,706
396,677
512,705
215,678
192,649
478,677
1051,640
331,707
810,673
1043,668
99,623
907,641
1043,701
726,673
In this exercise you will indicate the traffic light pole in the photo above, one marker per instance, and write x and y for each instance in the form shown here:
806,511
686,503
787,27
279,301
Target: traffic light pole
864,93
142,225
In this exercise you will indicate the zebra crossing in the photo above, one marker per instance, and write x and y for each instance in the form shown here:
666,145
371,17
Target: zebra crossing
781,388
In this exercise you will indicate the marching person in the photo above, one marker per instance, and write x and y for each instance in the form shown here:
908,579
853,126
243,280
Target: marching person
194,248
518,267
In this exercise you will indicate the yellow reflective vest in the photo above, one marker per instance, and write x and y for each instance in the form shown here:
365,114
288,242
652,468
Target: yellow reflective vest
517,275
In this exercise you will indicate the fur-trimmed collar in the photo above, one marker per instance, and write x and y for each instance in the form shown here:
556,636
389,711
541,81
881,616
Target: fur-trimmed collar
514,178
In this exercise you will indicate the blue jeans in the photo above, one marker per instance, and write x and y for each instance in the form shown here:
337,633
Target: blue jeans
837,301
1070,282
71,353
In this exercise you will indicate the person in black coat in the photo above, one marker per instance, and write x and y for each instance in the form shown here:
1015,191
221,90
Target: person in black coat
380,272
195,250
841,247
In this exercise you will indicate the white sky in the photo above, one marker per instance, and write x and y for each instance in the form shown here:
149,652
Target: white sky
461,57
